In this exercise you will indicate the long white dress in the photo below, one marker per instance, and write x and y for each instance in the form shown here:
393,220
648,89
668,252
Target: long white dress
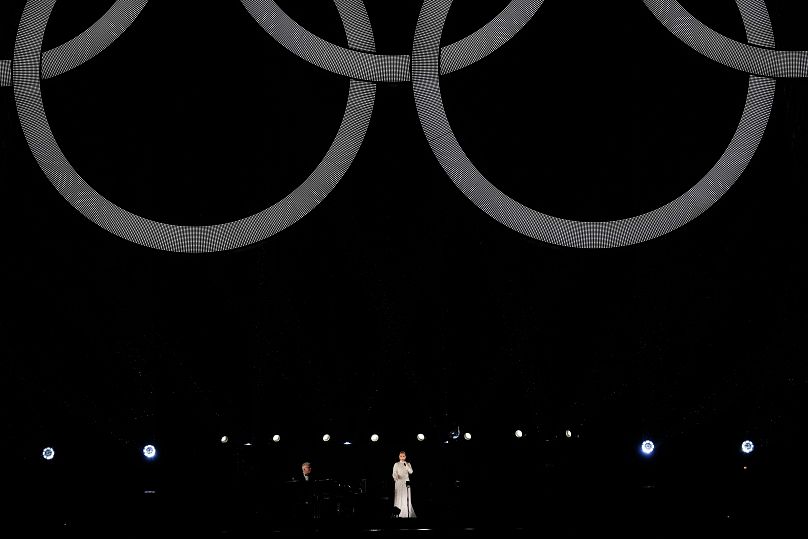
403,494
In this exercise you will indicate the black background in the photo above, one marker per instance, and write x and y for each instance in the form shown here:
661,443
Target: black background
396,306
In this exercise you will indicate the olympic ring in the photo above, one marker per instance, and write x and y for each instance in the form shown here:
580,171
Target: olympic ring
423,68
564,232
188,239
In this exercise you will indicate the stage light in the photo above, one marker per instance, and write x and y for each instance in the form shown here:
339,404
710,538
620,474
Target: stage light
149,451
225,439
518,433
326,437
747,446
346,443
276,438
48,453
467,436
568,433
420,437
647,447
374,437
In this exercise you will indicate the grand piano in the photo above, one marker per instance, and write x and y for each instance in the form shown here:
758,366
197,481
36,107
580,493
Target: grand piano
324,498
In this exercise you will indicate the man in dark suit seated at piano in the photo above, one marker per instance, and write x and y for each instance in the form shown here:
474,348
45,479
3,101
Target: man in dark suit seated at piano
307,493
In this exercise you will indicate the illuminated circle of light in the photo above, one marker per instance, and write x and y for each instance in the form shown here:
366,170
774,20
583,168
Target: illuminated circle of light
225,439
149,451
187,239
374,437
747,446
518,433
276,438
326,437
467,436
565,232
48,453
647,447
420,437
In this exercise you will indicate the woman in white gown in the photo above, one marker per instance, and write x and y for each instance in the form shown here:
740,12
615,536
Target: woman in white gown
403,497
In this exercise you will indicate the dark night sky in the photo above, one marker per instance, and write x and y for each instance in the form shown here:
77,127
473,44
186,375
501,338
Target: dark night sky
396,304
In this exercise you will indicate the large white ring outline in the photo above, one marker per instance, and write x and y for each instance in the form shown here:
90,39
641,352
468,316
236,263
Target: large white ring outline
155,234
571,233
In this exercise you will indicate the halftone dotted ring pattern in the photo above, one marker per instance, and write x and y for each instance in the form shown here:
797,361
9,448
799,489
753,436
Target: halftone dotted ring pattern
423,68
164,236
566,232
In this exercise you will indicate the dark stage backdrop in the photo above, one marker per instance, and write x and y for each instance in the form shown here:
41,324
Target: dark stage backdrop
397,305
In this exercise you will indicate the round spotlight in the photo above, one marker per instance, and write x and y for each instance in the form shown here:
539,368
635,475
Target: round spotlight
467,436
149,451
747,446
225,439
374,437
326,437
48,453
518,433
568,433
420,437
276,438
647,447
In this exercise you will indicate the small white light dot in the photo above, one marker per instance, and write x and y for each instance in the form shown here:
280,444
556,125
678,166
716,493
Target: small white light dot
374,437
225,439
568,433
467,436
518,433
276,438
149,451
326,437
420,437
647,447
48,453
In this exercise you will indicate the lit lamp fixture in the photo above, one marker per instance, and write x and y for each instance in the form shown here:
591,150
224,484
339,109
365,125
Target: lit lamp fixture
149,451
747,446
